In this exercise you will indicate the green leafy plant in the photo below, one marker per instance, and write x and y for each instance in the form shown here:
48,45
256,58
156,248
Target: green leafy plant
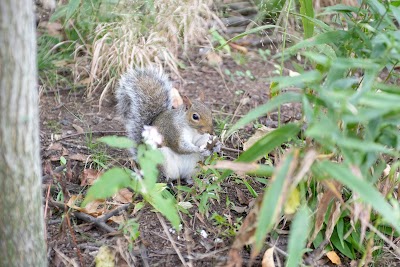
143,182
351,119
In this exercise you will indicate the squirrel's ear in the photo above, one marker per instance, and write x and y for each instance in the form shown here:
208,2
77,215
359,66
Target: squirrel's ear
202,96
187,102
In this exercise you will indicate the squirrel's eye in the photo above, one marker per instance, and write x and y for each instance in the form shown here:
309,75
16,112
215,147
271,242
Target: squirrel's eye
195,116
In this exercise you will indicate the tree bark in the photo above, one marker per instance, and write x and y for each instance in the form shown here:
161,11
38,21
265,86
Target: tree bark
21,216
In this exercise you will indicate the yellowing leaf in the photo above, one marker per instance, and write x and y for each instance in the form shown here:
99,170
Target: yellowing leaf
123,196
293,202
260,132
268,258
333,257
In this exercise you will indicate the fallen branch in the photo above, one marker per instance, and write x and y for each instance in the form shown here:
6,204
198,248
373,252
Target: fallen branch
100,222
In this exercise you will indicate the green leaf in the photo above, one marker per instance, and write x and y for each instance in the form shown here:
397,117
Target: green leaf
331,37
63,161
271,205
363,188
396,13
307,10
376,6
264,109
265,145
251,189
72,8
299,80
60,12
117,141
298,237
365,146
270,141
340,230
166,206
108,184
345,249
148,160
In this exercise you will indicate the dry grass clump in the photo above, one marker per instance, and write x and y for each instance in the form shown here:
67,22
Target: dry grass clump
143,36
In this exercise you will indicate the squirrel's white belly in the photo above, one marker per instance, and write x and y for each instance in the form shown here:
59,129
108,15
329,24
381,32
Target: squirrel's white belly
181,166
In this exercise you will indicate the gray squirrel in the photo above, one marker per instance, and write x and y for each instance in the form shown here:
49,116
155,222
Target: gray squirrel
144,97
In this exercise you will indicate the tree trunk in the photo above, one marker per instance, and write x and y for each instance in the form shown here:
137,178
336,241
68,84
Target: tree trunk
21,217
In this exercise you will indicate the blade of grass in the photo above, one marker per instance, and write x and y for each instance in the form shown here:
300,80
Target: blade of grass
299,230
306,8
272,201
264,109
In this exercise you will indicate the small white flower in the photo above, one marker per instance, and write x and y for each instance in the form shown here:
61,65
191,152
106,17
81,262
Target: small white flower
151,136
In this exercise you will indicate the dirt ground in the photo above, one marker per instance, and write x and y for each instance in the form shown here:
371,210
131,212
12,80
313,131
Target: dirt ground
70,123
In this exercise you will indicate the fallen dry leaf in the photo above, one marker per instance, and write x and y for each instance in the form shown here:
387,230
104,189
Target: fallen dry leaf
124,196
238,209
118,219
78,128
268,258
94,208
260,133
214,59
333,257
242,197
80,157
72,200
89,176
55,147
239,48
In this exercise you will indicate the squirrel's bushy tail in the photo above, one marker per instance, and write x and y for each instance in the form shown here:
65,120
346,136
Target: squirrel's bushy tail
142,94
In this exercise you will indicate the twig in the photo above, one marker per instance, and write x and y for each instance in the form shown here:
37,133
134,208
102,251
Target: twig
88,218
100,222
384,238
108,215
231,149
78,251
164,225
212,254
46,207
92,132
69,88
73,145
65,259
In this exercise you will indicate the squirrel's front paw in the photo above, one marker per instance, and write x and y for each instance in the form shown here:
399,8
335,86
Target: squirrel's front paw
204,152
